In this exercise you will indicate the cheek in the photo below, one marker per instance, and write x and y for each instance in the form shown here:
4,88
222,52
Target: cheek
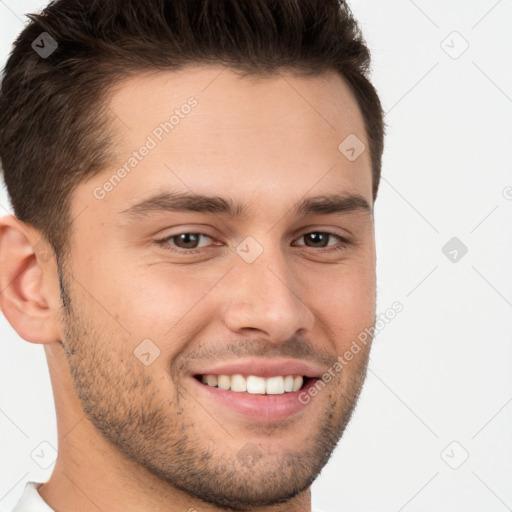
344,303
151,299
163,308
344,291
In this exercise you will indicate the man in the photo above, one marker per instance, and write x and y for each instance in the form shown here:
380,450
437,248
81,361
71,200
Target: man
193,184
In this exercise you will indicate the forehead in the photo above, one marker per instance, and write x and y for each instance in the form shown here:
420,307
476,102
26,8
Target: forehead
209,129
227,101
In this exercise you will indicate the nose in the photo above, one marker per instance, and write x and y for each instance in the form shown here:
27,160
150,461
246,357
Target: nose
264,295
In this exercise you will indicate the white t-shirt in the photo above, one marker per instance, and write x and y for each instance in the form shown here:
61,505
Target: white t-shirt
31,500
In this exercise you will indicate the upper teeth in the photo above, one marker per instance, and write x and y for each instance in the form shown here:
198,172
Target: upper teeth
254,384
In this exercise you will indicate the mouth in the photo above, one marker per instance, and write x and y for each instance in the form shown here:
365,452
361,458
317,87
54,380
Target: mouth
256,384
261,389
254,397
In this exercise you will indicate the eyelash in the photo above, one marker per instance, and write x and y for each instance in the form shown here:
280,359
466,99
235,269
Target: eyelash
342,245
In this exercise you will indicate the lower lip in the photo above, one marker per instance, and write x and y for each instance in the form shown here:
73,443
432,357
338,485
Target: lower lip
259,407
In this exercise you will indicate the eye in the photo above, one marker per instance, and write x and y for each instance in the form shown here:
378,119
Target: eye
185,241
320,239
195,242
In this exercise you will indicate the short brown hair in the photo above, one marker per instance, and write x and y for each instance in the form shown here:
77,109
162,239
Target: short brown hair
54,122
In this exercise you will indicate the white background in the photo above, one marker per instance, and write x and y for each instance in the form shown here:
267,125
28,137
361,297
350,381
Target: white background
441,370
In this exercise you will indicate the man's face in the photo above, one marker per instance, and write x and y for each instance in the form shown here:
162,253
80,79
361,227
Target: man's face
266,292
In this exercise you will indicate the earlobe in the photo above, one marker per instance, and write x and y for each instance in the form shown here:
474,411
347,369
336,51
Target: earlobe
26,299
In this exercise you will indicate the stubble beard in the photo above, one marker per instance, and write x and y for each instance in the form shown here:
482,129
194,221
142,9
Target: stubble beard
121,399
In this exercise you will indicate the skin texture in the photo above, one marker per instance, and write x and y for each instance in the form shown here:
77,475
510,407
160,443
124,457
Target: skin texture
136,437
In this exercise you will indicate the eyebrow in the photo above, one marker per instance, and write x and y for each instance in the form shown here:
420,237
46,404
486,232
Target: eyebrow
324,204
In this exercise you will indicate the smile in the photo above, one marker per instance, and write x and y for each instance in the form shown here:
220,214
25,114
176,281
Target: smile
254,384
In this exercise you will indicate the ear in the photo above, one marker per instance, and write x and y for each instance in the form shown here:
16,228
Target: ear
29,291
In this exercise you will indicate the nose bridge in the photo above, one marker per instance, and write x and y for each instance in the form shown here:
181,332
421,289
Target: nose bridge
264,293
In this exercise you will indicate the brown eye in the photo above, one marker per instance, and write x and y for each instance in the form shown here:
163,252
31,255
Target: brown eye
186,240
320,240
317,239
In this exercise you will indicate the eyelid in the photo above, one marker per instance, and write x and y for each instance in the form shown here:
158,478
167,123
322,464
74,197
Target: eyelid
179,249
340,238
342,233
